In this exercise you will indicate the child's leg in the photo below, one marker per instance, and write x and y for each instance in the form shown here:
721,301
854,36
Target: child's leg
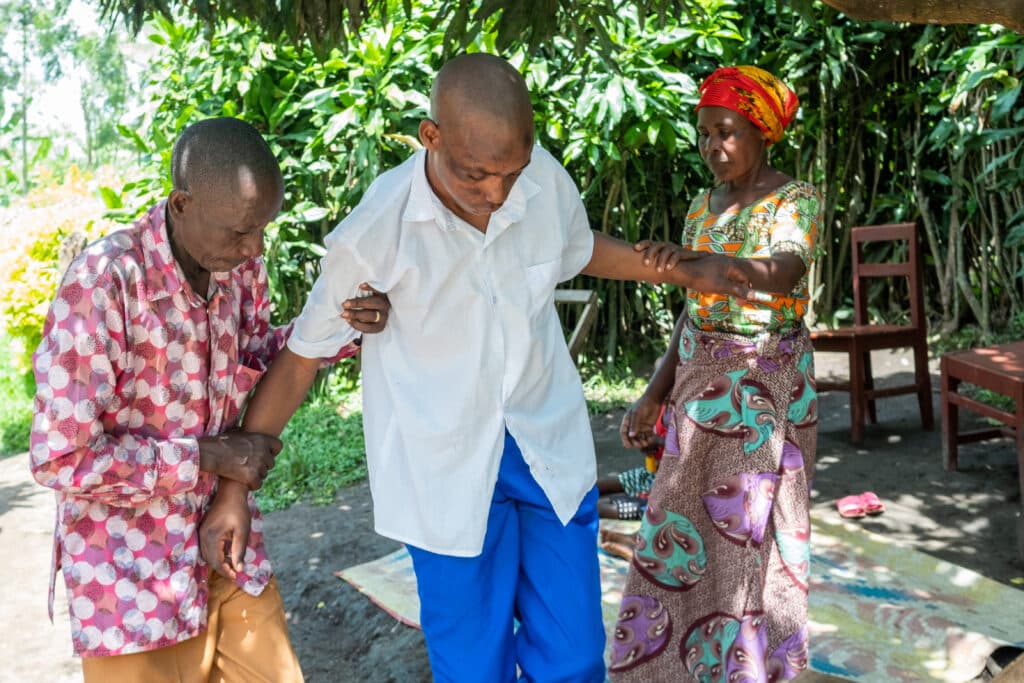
617,543
558,599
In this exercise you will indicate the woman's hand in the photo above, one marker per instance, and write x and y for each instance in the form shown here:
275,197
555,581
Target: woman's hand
637,429
665,255
718,274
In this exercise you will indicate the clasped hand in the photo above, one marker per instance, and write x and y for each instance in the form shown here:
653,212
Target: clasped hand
637,428
245,457
224,531
241,461
703,272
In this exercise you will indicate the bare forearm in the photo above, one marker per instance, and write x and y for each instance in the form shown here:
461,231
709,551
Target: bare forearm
780,273
280,393
614,259
229,488
660,384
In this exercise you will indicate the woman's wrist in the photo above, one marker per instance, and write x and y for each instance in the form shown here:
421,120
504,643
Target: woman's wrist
654,394
682,275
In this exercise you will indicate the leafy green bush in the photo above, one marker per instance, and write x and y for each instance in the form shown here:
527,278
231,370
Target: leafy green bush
334,123
16,390
608,388
31,230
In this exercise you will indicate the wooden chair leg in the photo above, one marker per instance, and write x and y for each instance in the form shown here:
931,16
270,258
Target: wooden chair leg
1018,429
1020,534
950,419
924,386
869,384
856,398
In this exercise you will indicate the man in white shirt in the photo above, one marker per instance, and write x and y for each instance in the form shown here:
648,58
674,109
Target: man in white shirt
478,442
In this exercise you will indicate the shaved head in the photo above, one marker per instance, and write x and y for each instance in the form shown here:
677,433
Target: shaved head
480,85
480,135
223,155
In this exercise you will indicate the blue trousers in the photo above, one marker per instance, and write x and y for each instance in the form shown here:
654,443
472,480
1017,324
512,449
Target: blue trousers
532,570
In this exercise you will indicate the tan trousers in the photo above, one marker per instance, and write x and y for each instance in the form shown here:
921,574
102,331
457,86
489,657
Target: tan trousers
246,642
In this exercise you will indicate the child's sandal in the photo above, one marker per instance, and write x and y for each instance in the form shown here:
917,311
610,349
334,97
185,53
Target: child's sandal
627,507
872,504
851,507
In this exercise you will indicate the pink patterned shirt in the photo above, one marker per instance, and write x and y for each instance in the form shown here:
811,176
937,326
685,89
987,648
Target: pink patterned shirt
133,368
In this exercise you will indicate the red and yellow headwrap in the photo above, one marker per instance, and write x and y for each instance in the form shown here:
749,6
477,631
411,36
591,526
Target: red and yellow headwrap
753,92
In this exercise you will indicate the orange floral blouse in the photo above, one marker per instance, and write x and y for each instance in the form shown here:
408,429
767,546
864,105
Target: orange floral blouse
785,221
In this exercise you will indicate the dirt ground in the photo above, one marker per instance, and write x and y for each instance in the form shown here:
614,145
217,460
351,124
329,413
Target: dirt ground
967,517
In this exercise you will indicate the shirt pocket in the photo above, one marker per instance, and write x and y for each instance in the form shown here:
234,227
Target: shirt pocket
541,280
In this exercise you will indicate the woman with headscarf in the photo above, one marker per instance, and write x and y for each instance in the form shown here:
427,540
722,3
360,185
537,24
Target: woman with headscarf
717,588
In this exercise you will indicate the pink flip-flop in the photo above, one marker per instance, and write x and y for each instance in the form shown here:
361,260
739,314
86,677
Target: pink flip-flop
871,503
851,507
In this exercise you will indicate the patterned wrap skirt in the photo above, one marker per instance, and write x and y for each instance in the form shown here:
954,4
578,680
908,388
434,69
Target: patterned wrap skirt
717,589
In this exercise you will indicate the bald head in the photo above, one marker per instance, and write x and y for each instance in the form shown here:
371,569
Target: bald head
479,138
223,155
482,86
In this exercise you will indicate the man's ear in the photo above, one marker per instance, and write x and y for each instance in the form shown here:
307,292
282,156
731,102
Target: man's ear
178,201
430,134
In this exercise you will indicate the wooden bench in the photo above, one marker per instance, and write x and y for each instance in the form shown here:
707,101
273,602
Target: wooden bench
996,368
587,317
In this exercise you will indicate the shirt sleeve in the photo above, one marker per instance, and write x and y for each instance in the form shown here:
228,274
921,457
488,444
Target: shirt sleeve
795,228
77,369
579,238
320,331
579,248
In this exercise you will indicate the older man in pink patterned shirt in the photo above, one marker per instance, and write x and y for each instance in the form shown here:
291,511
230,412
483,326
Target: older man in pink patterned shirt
151,346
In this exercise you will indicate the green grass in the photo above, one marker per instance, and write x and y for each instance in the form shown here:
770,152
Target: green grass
612,389
16,390
323,451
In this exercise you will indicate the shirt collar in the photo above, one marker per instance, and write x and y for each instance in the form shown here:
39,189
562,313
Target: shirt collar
423,204
164,276
420,206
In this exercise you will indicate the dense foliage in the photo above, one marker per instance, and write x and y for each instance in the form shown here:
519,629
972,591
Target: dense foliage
327,22
898,123
32,231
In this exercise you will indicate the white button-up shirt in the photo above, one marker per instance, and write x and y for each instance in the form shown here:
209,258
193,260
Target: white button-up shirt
473,345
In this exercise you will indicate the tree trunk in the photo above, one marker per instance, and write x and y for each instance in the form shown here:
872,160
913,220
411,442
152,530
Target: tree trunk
24,100
959,239
89,134
1009,13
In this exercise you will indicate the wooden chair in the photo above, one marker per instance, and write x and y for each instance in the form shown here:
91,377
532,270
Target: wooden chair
858,340
587,317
